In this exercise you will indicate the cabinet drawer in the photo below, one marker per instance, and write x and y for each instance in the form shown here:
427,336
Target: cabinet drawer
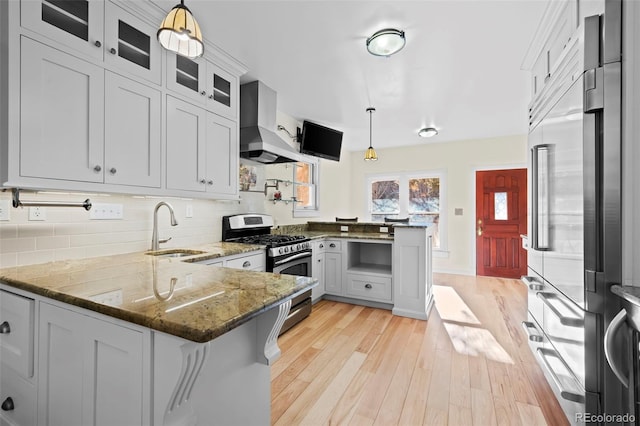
16,343
23,396
334,246
369,287
255,262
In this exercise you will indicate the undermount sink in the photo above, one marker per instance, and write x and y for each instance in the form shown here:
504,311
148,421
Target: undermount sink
175,253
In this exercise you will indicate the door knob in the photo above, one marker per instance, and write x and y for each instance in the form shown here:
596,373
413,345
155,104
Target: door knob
479,227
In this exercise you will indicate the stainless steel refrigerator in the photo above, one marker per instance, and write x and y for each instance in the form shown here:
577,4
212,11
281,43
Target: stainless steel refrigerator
574,238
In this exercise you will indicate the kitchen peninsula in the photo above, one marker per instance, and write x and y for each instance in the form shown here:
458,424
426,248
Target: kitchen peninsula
141,339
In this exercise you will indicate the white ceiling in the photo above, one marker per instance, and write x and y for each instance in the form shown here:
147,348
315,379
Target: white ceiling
459,71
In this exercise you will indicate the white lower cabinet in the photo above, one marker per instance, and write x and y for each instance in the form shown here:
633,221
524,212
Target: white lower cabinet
18,398
333,273
369,287
318,260
90,371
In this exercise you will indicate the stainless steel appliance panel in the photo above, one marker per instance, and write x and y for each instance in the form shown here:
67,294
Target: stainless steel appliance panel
562,130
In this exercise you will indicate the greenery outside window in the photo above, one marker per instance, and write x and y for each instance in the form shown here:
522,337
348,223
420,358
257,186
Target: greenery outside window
417,196
305,189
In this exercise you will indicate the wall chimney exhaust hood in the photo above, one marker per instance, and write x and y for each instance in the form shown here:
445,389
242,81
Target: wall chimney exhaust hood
258,140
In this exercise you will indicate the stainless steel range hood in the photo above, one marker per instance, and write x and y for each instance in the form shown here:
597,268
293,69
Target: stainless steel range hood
258,141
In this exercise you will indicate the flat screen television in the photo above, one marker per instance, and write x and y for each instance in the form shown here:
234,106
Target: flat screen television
320,141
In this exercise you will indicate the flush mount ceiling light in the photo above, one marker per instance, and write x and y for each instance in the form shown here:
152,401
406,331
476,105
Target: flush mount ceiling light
427,132
370,154
386,42
180,33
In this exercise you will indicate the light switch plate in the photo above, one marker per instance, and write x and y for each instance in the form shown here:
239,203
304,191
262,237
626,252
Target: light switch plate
188,211
104,211
5,205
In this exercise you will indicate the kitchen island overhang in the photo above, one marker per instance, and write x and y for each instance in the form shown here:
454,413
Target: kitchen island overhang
209,334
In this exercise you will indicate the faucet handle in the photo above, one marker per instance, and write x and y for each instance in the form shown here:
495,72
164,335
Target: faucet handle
162,241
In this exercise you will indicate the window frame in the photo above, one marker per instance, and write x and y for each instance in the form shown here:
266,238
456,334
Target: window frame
403,202
314,209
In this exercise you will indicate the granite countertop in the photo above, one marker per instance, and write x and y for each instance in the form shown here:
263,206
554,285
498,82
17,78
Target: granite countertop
355,235
171,295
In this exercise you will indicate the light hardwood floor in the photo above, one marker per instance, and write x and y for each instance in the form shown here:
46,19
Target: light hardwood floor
468,364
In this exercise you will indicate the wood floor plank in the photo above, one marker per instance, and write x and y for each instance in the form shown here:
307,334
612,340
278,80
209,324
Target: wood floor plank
355,365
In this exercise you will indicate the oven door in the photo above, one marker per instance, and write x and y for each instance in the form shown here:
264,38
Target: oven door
296,264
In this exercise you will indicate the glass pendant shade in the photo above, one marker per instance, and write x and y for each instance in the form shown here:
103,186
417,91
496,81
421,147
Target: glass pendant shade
427,132
386,42
370,154
180,33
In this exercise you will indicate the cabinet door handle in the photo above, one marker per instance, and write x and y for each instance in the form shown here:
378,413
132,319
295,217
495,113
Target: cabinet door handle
7,404
97,168
203,93
97,43
113,51
5,328
202,181
321,245
209,182
210,96
246,264
113,170
368,285
332,245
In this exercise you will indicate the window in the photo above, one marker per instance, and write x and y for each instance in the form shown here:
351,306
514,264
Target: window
416,196
305,189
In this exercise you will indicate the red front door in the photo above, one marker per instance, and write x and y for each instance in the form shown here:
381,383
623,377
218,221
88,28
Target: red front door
501,217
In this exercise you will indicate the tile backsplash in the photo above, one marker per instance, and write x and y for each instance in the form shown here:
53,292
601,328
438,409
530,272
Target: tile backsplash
69,233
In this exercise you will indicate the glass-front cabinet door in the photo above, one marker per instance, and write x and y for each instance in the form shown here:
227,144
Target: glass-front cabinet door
78,24
205,83
131,44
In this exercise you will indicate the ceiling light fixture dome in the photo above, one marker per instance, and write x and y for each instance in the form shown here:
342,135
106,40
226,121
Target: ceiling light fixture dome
386,42
427,132
180,33
370,154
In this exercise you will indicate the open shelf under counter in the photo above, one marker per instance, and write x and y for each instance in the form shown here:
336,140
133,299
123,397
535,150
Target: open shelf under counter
370,268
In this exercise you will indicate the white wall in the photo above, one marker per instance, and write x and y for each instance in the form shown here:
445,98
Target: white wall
459,160
68,233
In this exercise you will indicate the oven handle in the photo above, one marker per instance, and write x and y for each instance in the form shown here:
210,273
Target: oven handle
294,257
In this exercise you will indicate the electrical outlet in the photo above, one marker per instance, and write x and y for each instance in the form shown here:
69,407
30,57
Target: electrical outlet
4,209
344,228
37,213
189,211
384,229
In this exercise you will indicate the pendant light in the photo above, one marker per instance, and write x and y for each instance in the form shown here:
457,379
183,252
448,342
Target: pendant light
180,33
370,154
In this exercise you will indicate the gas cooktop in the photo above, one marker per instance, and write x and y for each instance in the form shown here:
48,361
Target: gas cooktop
270,240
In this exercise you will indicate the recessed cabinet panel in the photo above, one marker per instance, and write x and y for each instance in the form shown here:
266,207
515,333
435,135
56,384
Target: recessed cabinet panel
186,132
61,115
222,155
132,132
333,273
16,340
74,23
24,396
131,44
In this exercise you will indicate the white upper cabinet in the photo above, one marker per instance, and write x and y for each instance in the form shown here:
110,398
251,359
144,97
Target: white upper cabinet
131,44
132,132
204,83
77,24
100,30
202,150
61,115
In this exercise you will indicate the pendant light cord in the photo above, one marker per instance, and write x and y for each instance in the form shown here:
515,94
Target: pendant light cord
370,111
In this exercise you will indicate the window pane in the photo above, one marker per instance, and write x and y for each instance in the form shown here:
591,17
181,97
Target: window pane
385,196
500,206
303,173
424,195
304,196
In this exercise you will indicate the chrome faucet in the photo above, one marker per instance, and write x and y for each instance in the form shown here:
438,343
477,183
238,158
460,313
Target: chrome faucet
155,242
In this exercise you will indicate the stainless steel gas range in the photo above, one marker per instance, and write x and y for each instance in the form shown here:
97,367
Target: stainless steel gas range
286,254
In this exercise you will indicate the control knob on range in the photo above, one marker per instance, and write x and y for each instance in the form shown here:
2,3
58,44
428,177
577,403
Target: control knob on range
280,250
286,249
